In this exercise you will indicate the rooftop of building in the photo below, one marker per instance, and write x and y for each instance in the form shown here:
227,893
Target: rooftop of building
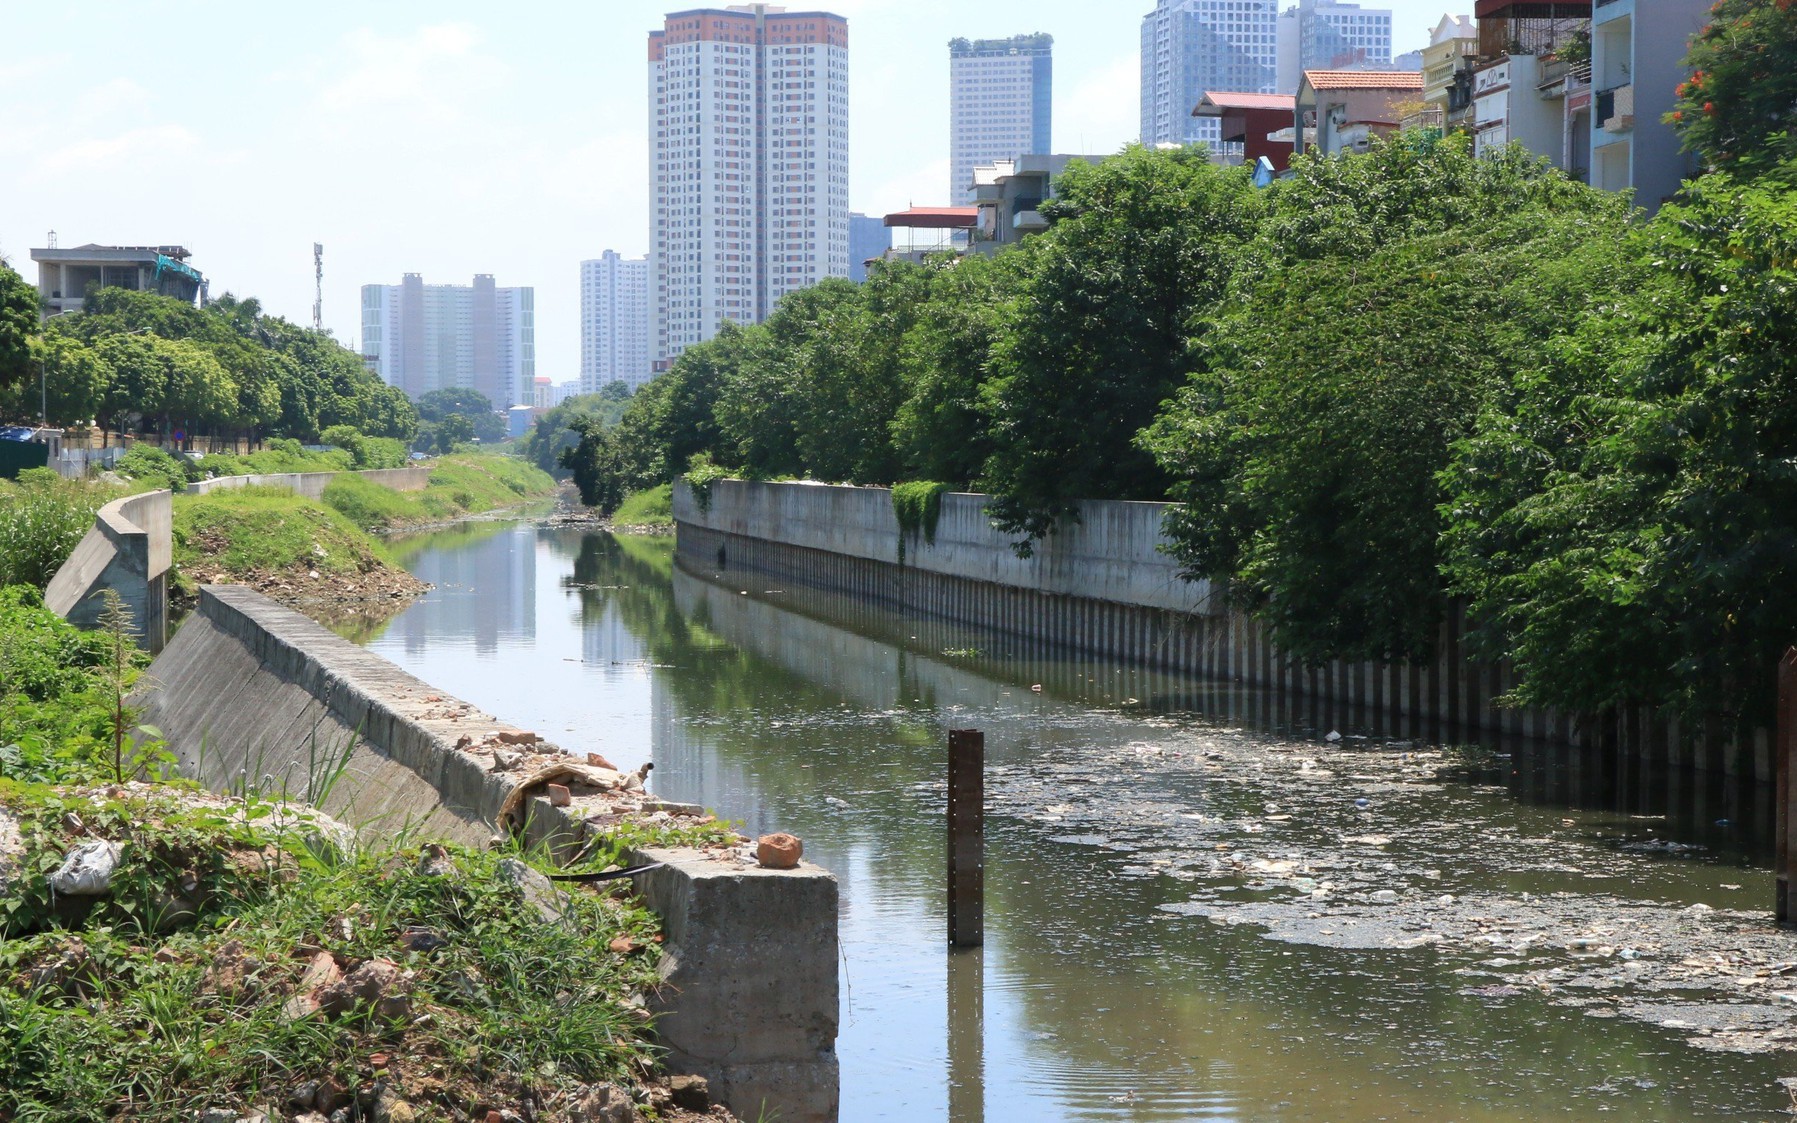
1039,43
94,252
1215,102
935,218
1364,79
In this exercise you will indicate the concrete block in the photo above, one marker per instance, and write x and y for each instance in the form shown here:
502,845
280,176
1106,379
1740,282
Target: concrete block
750,971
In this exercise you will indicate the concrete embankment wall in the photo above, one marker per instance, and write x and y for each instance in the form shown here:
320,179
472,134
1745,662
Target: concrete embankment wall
130,548
1103,586
312,484
253,695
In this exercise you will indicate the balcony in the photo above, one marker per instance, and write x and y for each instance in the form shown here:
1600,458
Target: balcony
1616,109
1029,222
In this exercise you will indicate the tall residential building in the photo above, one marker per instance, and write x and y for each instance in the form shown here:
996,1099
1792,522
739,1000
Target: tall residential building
1190,47
748,165
1330,35
614,322
423,337
1000,104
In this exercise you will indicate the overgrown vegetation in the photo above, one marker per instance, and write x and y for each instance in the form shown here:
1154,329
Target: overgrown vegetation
61,693
42,519
255,533
464,484
650,507
225,371
918,507
1386,385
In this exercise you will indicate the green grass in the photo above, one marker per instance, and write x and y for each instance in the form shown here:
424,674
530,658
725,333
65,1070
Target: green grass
651,507
462,484
42,519
509,1007
266,530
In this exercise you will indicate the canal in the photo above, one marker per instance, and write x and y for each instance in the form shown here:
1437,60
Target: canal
1194,910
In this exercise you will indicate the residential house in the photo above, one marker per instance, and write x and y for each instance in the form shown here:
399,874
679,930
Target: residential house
1249,124
1348,108
1637,63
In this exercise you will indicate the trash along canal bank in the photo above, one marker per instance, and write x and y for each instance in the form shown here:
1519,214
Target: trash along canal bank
1186,916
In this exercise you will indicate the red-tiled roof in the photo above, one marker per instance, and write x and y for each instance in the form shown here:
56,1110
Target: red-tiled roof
935,218
1364,79
1229,99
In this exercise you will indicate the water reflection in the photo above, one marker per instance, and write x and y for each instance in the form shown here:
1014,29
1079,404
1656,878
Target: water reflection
795,710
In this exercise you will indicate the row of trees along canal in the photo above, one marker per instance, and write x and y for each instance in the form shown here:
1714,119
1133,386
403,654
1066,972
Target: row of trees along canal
228,370
1388,383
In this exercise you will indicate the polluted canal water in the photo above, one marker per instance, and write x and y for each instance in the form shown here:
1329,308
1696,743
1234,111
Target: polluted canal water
1188,914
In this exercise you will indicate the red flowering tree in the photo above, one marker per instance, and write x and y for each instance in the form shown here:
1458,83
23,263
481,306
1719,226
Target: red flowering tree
1740,103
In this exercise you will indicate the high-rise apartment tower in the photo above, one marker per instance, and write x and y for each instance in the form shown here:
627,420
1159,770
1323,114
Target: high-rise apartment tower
748,165
1329,35
614,322
423,337
1000,104
1193,46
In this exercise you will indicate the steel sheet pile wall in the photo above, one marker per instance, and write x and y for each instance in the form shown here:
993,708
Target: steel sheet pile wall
1104,586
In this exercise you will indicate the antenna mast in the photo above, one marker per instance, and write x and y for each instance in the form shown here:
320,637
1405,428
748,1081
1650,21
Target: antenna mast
318,277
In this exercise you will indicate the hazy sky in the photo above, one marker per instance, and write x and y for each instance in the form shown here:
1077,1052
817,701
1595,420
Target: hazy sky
451,138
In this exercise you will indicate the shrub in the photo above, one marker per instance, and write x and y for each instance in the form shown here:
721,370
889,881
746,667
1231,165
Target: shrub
42,520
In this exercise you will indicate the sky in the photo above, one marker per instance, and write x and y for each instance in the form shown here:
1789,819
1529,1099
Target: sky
451,138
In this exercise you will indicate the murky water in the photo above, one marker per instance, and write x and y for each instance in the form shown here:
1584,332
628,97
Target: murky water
1190,915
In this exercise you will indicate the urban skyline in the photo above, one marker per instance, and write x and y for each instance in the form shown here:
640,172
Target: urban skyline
421,337
320,111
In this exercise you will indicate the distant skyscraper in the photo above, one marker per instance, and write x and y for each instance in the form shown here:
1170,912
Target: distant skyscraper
748,165
423,337
1191,46
868,239
614,322
1328,35
1000,104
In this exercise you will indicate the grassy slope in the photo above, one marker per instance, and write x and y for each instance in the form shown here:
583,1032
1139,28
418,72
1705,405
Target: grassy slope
463,484
264,530
651,507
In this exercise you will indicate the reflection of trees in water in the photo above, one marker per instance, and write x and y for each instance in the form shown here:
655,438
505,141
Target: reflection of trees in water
768,689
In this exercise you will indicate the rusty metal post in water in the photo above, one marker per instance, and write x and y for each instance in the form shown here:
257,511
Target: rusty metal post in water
1782,749
966,838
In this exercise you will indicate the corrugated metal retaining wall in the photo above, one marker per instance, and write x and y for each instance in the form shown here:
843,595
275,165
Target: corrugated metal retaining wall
1105,587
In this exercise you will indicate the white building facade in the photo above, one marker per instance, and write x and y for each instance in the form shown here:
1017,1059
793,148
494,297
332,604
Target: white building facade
614,322
748,166
1190,47
1000,104
422,337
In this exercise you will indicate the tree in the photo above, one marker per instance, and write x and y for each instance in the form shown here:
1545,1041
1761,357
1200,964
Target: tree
601,471
1140,246
460,401
1740,104
1378,323
452,431
76,378
18,322
1627,533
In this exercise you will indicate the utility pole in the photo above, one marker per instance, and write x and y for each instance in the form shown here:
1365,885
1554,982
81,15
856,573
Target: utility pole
318,278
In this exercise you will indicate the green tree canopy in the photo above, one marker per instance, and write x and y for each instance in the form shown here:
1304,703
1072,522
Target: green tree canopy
18,323
1740,104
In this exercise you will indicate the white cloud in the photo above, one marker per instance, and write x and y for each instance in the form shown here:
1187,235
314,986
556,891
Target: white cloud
430,72
133,152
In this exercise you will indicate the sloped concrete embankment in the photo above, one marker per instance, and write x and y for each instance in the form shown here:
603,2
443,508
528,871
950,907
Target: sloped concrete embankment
251,694
130,548
1104,584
